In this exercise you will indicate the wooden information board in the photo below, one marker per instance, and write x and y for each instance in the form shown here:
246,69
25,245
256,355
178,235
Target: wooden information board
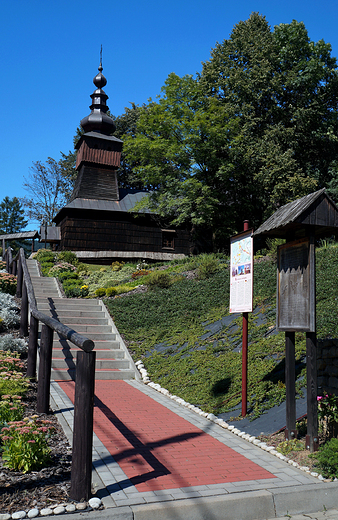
296,286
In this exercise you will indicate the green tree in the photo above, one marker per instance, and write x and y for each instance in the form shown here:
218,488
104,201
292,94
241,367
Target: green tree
282,88
11,216
178,151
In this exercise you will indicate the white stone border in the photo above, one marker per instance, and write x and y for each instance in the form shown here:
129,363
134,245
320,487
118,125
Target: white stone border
211,417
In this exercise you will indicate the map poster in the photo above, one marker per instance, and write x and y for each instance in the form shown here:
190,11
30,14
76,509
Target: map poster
241,272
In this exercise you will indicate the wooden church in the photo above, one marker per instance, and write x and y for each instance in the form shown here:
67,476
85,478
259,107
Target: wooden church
98,223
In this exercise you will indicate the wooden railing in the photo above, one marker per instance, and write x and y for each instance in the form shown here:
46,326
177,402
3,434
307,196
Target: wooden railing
85,372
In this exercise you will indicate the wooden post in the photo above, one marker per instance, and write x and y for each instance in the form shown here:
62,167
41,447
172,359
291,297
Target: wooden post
45,366
14,267
81,475
24,312
312,442
32,348
3,248
290,386
19,280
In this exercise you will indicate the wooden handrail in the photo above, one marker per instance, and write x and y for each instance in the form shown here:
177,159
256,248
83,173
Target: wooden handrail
85,374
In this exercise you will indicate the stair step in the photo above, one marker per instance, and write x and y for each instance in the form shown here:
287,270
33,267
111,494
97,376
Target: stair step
80,321
114,374
65,353
99,336
99,344
108,364
63,315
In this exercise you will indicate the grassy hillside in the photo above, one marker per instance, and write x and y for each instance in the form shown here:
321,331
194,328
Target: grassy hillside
192,346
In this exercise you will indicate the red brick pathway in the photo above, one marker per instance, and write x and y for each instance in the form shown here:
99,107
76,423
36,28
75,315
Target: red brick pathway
156,448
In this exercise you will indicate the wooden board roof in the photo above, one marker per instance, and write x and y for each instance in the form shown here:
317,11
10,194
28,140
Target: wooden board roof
20,236
316,211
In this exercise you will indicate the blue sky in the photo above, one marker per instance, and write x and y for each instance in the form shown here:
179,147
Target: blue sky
50,53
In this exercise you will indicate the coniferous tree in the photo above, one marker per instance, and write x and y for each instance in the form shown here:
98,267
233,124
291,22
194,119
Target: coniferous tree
11,216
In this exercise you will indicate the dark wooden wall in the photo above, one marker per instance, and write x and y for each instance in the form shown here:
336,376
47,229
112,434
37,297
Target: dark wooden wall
113,231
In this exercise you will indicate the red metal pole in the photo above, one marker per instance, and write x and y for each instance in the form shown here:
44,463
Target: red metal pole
245,352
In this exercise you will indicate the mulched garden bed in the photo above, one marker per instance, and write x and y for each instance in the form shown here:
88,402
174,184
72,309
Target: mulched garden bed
45,488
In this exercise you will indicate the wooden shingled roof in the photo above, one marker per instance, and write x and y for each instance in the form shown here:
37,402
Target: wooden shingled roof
315,211
20,236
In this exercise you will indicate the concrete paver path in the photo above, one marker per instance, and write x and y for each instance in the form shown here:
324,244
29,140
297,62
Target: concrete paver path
154,459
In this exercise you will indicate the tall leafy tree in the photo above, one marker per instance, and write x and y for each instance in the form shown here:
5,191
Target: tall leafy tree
177,152
255,129
283,89
11,216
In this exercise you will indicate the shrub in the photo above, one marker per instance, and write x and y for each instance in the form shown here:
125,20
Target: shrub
117,266
67,256
9,342
327,458
8,283
61,268
111,291
45,255
45,267
72,291
159,279
2,264
9,311
100,292
68,275
207,267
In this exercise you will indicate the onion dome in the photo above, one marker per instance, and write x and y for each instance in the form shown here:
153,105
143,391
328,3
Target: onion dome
98,120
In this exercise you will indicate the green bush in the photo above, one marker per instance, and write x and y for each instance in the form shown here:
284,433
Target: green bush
72,291
100,292
111,291
327,458
45,255
68,275
68,256
117,266
207,267
159,279
45,267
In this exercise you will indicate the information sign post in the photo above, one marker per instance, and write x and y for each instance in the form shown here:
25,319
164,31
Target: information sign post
241,291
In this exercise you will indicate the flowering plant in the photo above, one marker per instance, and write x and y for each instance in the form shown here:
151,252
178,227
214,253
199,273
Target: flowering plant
25,444
12,380
11,409
61,267
84,291
8,283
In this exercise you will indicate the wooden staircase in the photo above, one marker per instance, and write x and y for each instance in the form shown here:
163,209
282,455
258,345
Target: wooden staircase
89,318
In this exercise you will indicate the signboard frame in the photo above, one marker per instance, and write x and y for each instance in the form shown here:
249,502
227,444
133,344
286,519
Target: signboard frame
240,276
296,305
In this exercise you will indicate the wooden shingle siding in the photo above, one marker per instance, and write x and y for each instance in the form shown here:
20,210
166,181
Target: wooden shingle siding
123,233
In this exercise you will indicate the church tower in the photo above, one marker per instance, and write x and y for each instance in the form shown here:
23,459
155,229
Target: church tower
99,153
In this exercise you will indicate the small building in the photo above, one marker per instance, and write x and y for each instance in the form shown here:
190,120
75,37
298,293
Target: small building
99,223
